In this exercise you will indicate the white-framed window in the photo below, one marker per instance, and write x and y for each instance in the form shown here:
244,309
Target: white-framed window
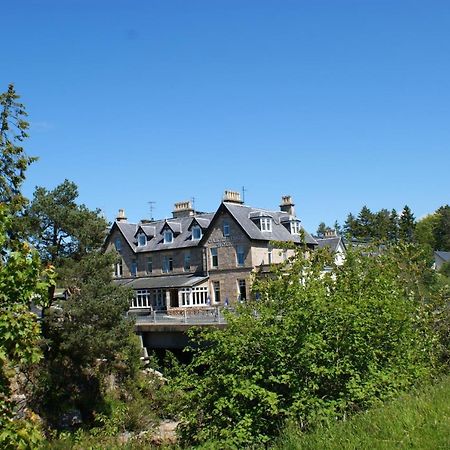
214,257
133,269
167,264
118,269
168,236
269,256
240,255
266,224
142,240
295,227
197,296
187,261
242,290
118,244
142,299
196,233
149,266
226,228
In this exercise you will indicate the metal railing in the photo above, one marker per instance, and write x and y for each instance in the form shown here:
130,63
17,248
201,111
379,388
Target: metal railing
204,316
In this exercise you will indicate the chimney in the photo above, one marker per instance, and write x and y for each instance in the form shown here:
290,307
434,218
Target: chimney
232,197
287,205
330,232
121,217
182,209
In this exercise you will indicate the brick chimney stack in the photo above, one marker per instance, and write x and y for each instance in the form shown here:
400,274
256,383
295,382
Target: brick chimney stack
287,205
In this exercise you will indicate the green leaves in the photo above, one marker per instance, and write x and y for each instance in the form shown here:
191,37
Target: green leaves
315,345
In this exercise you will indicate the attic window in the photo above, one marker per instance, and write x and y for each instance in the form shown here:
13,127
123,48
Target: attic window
142,240
118,244
196,233
295,227
266,224
168,237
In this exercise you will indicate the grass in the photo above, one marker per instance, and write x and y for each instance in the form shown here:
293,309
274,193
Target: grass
420,420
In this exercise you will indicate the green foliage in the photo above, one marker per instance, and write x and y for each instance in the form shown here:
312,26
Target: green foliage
13,160
60,228
89,340
418,420
315,346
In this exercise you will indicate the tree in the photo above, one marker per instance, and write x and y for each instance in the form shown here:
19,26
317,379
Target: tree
22,279
13,160
89,338
393,226
407,224
60,228
322,229
365,224
350,226
323,347
442,229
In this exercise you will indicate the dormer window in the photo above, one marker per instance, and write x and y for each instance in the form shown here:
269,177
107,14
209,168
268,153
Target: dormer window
168,237
266,224
142,240
295,227
196,233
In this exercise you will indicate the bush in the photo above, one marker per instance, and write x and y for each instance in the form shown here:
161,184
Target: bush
314,346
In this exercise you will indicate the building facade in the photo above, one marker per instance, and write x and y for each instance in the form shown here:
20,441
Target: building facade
197,260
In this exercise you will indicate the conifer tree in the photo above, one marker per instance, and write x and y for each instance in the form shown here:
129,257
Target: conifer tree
407,224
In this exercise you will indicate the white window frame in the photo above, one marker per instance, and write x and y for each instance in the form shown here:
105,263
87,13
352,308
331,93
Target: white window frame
195,229
266,224
295,227
192,297
118,269
168,233
143,242
141,299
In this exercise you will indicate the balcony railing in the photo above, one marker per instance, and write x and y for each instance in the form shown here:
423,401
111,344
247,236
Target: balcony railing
205,316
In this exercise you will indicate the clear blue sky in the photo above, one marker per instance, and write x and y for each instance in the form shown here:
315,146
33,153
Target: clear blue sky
338,103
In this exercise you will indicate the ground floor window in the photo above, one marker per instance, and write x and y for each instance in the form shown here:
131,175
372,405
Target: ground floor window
142,299
149,298
242,290
197,296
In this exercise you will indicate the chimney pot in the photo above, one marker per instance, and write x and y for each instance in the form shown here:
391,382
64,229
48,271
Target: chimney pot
121,217
287,205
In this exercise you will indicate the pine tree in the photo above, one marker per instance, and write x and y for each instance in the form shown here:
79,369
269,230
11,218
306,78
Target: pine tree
407,224
442,229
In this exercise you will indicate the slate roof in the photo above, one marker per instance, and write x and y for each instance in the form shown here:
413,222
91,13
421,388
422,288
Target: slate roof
243,214
444,256
181,239
163,282
331,242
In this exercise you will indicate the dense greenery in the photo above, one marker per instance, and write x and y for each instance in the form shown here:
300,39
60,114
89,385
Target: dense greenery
22,279
314,346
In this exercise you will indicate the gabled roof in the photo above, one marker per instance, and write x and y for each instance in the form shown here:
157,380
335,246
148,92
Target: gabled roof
148,230
202,222
244,214
331,242
180,226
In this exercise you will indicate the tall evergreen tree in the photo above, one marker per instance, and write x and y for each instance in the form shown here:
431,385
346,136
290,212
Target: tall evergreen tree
365,224
13,160
393,226
407,224
350,226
